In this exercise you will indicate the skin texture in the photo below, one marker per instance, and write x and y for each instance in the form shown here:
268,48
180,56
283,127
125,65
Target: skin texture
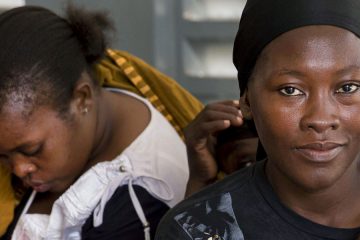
309,80
49,151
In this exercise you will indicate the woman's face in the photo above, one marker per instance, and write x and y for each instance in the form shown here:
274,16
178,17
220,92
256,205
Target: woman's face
308,114
47,152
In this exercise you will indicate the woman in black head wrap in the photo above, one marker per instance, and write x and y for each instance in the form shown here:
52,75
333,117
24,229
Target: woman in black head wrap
298,67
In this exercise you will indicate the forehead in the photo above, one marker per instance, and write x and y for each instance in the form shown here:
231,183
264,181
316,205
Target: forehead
25,87
313,47
17,128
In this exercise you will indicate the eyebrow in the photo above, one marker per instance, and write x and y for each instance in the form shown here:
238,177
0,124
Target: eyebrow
285,71
348,69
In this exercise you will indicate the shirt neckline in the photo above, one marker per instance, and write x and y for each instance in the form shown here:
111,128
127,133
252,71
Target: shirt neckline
292,217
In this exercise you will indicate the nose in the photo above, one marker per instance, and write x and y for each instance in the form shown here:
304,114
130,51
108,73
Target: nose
22,166
321,114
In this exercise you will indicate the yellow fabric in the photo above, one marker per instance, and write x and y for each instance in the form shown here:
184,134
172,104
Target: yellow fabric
122,70
7,199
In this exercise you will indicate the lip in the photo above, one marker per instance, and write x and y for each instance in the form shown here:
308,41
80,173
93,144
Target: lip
40,187
320,152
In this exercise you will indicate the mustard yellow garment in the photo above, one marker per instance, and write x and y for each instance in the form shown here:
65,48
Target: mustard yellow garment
122,70
7,199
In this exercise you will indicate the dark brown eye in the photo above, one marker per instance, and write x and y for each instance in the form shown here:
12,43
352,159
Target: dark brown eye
348,88
290,91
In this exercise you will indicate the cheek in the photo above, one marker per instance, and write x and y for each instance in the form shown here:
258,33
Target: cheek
62,154
274,124
350,124
57,153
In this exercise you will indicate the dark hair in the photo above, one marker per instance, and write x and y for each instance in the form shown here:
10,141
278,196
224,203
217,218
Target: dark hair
231,134
43,55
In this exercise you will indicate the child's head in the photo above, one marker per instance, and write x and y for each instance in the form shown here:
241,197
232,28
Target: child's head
236,148
301,87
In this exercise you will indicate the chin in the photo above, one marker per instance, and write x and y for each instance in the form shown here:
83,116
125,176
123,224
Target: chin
317,182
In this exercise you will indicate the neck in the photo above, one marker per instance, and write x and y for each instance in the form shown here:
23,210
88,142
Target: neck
334,206
104,128
121,118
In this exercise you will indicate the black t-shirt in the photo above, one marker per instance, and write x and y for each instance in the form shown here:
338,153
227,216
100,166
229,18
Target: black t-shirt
243,206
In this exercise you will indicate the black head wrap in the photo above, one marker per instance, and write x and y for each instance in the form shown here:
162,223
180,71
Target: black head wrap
264,20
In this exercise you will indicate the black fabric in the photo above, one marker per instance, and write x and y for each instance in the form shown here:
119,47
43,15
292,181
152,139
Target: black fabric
243,206
264,20
120,219
18,210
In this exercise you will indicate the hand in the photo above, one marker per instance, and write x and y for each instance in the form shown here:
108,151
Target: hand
200,141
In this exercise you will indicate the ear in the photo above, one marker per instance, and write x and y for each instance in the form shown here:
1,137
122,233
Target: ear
83,94
245,106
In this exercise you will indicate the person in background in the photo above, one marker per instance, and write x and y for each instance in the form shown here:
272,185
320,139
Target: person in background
236,148
218,143
298,68
100,162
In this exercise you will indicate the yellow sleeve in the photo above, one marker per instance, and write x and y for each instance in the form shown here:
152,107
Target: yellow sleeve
7,199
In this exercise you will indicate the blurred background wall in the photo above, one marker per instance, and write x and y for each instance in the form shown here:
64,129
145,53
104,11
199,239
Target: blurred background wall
190,40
